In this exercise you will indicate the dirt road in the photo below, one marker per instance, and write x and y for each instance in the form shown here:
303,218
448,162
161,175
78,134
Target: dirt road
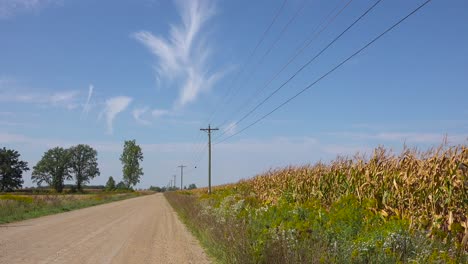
139,230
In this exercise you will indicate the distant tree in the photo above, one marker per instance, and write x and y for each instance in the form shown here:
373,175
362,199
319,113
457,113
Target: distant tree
130,158
121,186
110,185
192,186
155,188
11,170
83,164
53,168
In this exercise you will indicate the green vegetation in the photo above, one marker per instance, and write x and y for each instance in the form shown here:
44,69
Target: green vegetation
53,169
11,170
131,158
83,164
59,164
14,207
410,208
110,185
121,186
78,163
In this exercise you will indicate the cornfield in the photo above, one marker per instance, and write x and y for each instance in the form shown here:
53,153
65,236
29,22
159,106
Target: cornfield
430,189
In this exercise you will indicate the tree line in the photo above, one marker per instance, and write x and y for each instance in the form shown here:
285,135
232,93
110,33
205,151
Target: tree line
171,188
78,163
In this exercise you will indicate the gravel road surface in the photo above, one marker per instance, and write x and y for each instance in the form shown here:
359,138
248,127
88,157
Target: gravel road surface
139,230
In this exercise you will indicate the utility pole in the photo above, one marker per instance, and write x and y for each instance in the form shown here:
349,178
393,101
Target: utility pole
209,129
174,180
181,175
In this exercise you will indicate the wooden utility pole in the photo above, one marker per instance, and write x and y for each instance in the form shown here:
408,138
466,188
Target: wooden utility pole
209,129
181,175
174,185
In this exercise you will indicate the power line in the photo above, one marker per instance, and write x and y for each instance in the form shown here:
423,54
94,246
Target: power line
329,72
198,159
270,48
305,65
200,149
305,44
249,58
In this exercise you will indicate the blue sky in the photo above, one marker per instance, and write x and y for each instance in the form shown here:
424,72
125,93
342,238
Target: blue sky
101,72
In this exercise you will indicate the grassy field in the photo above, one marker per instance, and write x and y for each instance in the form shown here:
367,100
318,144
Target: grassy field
389,208
16,207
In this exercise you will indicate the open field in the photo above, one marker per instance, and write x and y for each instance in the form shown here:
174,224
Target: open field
140,230
16,207
388,208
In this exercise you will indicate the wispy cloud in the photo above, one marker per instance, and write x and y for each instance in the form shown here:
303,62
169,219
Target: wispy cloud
138,113
67,99
159,113
113,107
87,106
183,56
10,8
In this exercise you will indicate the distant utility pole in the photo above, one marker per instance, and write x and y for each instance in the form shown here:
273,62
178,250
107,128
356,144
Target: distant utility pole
181,175
209,129
174,180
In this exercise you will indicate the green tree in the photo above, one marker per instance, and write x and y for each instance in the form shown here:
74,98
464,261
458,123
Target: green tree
53,168
130,159
155,189
110,185
83,164
11,170
121,186
192,186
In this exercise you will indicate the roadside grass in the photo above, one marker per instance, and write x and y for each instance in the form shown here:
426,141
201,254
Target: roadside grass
234,231
14,207
211,234
387,209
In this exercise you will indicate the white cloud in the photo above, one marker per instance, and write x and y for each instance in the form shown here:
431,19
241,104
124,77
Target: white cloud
9,8
159,113
87,106
113,107
13,92
67,99
184,55
138,113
